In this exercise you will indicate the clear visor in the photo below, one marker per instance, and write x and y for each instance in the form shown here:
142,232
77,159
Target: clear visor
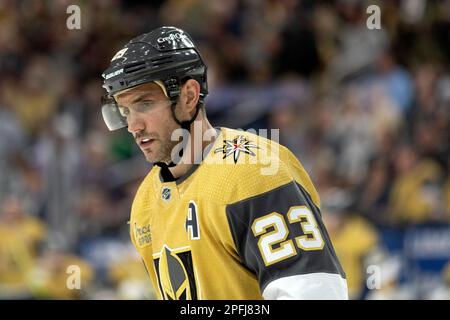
112,113
114,120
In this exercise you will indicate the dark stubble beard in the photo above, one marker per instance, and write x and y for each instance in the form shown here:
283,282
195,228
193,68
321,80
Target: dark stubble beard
163,152
166,145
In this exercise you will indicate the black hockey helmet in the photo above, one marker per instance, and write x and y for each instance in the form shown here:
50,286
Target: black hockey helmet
166,54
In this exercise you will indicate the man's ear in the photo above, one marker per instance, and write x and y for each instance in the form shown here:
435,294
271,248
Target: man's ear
190,94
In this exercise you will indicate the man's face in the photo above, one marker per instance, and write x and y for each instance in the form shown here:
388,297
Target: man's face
149,119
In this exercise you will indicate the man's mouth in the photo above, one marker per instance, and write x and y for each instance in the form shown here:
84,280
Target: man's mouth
144,143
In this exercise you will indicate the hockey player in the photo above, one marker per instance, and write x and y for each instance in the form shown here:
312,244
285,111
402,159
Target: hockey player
207,221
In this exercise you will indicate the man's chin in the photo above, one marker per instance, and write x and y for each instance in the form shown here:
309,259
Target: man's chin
155,155
150,156
152,159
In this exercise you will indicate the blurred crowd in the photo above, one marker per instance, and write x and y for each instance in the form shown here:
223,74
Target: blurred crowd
367,112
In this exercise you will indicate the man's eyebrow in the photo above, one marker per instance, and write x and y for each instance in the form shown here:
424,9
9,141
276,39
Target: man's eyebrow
141,97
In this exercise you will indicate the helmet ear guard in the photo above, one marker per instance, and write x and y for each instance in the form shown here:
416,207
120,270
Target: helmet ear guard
173,86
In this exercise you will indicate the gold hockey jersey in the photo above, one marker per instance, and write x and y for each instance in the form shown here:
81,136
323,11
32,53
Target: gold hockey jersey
245,217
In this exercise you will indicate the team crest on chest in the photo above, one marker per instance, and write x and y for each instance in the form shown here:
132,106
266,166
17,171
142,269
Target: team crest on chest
166,193
235,147
175,272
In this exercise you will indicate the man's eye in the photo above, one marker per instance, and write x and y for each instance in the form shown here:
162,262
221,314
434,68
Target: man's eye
145,105
124,111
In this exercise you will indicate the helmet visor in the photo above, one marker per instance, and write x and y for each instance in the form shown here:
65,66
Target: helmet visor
111,114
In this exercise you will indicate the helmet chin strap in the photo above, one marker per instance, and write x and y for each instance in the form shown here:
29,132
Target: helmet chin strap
166,174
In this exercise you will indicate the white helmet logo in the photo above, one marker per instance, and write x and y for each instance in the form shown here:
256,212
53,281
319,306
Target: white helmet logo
119,54
172,37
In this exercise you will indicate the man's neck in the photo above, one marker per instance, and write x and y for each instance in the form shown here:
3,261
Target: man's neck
201,135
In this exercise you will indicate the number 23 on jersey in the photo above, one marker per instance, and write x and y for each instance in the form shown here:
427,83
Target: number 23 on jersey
311,240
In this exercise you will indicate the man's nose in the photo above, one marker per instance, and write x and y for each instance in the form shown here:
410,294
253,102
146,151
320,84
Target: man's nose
135,124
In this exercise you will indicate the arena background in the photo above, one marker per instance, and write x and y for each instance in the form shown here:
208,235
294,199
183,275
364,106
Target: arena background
366,111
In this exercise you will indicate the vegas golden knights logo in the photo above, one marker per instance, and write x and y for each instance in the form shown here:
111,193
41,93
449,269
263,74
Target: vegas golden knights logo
175,272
